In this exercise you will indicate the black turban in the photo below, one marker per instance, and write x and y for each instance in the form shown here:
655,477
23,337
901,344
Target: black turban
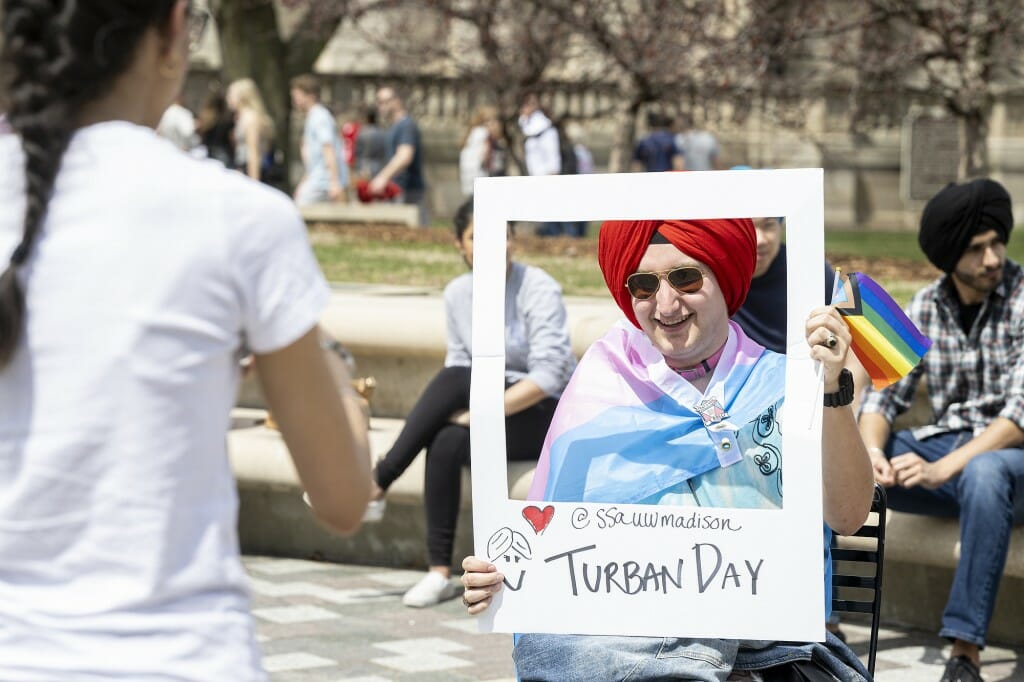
954,216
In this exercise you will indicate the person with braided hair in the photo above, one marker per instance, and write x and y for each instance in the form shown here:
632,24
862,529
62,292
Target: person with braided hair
132,276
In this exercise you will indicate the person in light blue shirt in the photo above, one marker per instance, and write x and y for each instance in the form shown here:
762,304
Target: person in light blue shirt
326,175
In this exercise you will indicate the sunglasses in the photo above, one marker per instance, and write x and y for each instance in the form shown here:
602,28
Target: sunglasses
685,280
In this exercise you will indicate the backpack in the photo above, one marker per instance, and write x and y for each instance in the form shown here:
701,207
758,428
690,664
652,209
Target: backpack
566,152
272,170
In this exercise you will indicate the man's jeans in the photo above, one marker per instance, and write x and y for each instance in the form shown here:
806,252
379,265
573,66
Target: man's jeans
565,228
417,198
987,497
590,658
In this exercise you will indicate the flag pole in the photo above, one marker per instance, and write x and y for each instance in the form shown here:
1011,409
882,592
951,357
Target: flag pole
837,286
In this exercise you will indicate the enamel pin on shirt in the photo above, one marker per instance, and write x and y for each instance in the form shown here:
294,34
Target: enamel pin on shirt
711,411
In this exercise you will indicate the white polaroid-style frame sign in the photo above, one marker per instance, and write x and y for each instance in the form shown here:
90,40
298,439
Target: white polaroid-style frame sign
751,574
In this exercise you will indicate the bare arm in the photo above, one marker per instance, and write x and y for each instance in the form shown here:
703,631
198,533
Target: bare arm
911,470
1000,434
520,396
401,160
846,476
875,430
252,144
325,435
305,164
334,189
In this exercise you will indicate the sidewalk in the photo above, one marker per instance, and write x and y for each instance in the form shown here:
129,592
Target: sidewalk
320,622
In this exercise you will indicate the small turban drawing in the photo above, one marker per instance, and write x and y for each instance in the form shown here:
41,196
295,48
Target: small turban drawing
511,547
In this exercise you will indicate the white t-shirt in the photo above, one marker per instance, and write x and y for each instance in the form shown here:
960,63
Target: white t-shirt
471,158
179,126
118,546
541,149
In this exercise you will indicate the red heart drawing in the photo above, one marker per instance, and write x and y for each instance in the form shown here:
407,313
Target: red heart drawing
538,518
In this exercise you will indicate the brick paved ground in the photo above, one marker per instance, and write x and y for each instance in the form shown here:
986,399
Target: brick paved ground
321,622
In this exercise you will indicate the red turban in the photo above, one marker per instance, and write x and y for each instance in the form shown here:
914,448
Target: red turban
728,247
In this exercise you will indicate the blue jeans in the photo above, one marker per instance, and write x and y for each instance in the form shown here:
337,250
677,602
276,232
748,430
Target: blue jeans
551,229
587,658
417,198
987,497
568,229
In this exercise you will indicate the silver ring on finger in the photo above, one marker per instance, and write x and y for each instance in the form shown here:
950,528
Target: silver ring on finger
832,340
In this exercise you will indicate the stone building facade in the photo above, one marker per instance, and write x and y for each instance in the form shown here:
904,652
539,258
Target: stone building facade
873,181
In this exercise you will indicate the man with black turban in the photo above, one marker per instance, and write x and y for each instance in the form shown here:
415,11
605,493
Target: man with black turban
699,387
970,462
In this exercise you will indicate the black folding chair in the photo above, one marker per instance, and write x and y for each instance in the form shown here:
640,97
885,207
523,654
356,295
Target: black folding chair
857,570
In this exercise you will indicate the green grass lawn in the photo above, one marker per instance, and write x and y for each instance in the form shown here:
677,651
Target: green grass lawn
902,245
345,258
433,261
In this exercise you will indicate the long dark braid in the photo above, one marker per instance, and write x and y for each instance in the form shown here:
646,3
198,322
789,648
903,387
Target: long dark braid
57,56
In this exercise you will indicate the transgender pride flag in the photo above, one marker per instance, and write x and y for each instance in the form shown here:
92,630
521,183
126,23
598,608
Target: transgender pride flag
885,341
628,427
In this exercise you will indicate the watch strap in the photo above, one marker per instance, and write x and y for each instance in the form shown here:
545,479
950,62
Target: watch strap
844,396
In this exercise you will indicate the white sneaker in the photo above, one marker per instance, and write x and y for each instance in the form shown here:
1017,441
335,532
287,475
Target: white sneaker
374,509
432,589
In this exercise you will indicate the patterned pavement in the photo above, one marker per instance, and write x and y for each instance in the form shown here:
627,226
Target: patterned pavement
323,622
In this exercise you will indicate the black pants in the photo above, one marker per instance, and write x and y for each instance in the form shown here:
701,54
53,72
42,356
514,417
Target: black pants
447,445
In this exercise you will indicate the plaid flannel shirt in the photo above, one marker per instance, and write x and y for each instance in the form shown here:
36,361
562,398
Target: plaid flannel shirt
971,378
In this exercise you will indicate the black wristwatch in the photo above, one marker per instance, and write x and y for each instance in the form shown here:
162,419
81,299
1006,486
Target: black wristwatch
338,349
844,396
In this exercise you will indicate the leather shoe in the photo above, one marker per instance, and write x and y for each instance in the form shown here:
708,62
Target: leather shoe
961,669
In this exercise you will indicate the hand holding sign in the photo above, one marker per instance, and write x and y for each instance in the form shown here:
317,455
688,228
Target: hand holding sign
655,529
481,581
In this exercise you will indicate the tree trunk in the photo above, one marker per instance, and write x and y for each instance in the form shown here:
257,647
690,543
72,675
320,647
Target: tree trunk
251,47
974,144
622,151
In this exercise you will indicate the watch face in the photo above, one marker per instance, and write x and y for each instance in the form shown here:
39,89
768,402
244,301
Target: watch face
845,380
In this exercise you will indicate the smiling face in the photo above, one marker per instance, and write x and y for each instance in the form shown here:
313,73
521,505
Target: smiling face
685,328
980,269
769,239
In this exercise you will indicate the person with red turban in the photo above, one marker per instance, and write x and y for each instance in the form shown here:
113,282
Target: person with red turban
709,400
